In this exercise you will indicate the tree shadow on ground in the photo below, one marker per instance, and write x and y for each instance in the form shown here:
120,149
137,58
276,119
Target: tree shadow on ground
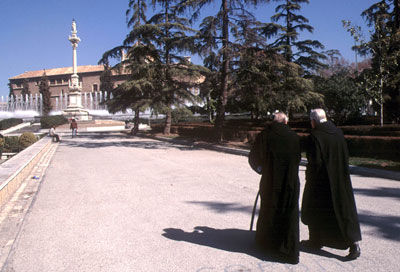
120,141
223,207
374,173
388,227
379,192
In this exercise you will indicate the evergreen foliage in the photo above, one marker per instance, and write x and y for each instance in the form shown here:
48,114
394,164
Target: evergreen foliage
106,84
159,77
301,52
54,120
10,122
214,38
25,90
11,144
343,99
44,90
26,139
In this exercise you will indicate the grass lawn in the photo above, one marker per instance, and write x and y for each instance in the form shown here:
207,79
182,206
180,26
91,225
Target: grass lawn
375,163
371,163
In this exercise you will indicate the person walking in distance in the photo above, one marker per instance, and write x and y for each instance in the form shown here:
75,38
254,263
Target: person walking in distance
328,205
276,155
74,127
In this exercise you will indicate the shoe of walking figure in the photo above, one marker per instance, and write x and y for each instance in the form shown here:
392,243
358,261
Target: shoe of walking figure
354,252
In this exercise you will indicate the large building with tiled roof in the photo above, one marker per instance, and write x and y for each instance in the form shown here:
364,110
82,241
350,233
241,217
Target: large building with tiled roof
58,78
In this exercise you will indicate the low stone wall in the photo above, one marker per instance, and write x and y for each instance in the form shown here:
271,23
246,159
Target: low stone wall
16,169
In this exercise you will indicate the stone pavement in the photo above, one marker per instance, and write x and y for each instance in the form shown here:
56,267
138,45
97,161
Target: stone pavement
110,202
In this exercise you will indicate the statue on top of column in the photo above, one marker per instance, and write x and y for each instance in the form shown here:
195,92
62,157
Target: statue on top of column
73,26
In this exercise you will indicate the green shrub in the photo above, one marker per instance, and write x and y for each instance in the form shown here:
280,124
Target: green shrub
11,144
179,113
1,144
49,121
11,122
26,139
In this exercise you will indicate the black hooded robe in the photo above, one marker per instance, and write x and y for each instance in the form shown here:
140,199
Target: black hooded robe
328,206
277,150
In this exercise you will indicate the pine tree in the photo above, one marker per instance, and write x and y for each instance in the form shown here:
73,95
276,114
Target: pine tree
214,36
25,91
106,84
301,52
159,77
44,90
11,91
125,97
295,90
163,39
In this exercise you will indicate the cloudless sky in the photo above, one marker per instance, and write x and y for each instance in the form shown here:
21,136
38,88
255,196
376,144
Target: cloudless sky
34,33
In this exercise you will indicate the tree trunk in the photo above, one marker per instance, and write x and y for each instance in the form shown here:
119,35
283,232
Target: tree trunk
209,109
288,30
381,99
168,116
136,122
223,96
396,9
168,119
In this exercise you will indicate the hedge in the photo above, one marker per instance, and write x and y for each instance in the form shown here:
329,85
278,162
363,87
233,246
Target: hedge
55,120
386,130
359,146
11,122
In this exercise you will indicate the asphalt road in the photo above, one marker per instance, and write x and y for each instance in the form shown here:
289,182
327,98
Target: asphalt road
108,202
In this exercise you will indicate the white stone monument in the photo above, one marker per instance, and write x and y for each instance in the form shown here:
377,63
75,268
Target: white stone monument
75,108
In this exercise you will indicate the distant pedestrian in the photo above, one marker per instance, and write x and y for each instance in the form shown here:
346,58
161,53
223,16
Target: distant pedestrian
53,134
329,207
276,155
74,127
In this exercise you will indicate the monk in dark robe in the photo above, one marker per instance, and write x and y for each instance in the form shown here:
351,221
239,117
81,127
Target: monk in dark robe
328,206
276,155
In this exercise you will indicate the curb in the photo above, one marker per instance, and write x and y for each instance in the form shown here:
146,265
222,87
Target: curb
14,128
16,169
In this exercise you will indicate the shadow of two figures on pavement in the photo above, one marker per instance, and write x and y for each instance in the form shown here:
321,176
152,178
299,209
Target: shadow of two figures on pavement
232,240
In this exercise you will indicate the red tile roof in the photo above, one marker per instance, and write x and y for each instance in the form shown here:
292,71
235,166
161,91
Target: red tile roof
60,71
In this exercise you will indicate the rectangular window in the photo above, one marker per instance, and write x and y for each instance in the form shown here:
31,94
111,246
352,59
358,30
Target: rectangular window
95,88
52,82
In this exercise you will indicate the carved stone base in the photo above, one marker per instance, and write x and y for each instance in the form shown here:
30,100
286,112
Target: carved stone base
77,113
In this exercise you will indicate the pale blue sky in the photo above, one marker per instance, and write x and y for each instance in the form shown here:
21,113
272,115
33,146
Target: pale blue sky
34,33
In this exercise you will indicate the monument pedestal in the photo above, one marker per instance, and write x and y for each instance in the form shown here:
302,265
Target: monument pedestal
75,109
77,113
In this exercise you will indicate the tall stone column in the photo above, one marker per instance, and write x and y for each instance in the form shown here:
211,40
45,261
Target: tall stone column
74,108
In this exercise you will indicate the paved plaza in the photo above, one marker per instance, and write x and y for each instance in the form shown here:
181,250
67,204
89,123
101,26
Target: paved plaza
112,202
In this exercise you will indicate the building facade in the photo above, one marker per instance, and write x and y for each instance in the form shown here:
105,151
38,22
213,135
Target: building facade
89,76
